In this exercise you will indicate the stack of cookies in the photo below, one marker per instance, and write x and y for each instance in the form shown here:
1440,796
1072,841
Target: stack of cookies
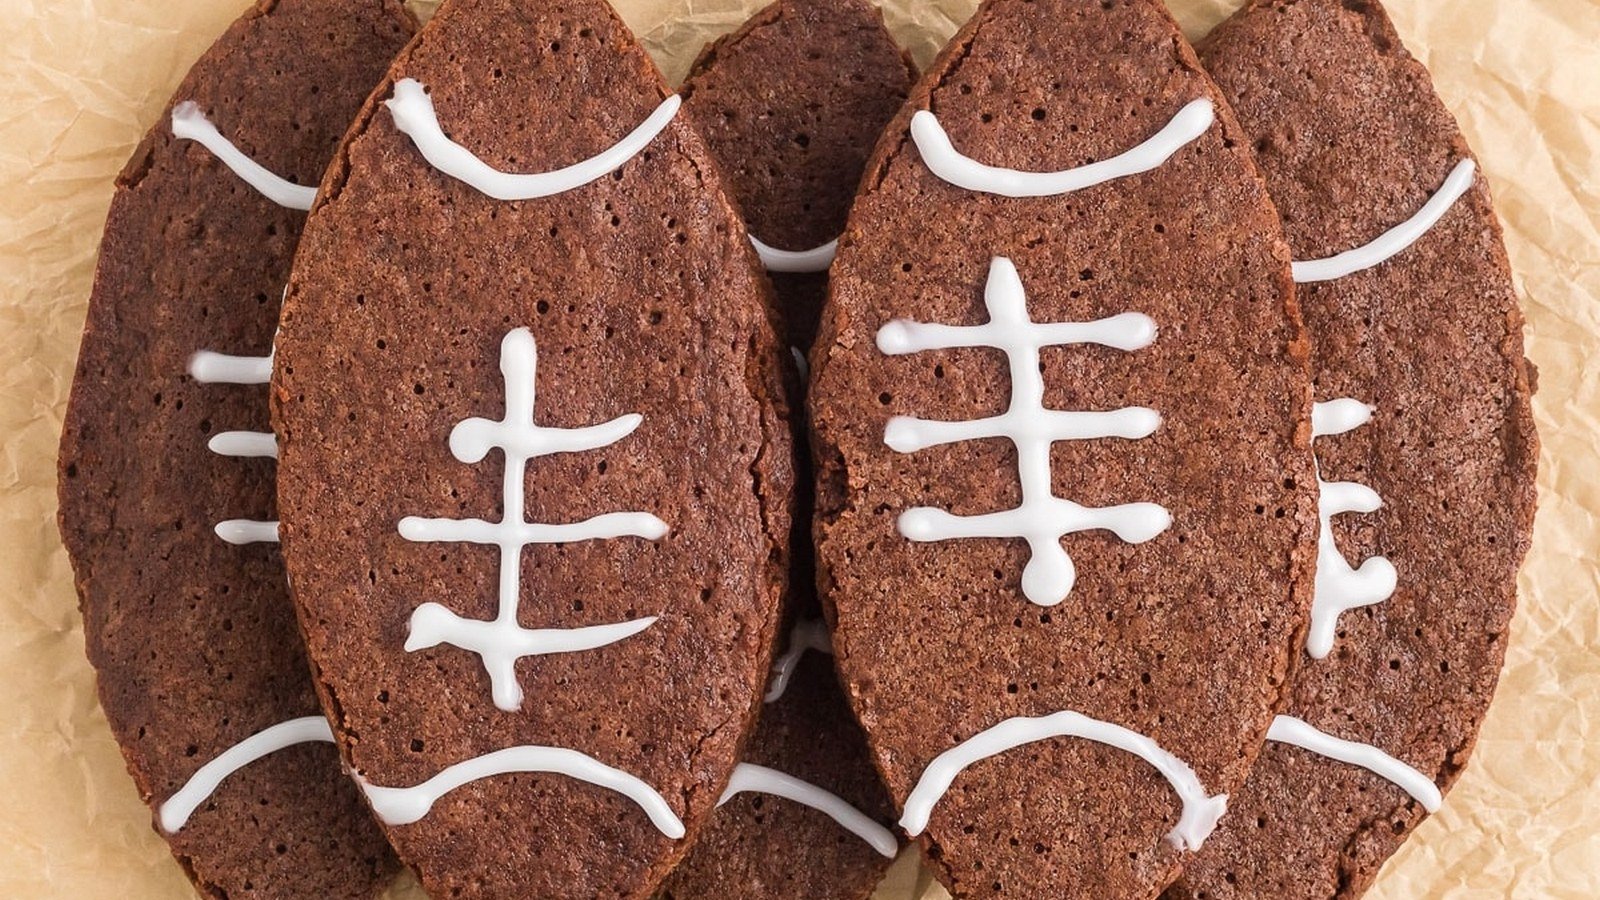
1103,463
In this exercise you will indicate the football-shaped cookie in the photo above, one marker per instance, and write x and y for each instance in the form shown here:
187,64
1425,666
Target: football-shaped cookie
1425,442
790,106
535,467
166,460
1066,513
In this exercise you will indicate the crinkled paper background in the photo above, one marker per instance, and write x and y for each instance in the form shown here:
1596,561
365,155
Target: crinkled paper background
81,80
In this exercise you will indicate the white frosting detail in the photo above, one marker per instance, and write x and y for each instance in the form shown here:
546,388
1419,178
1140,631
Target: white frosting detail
1289,730
176,810
817,259
1395,239
1042,518
247,531
945,161
189,123
1340,587
208,367
502,641
404,805
748,777
413,113
244,443
807,634
800,362
1195,823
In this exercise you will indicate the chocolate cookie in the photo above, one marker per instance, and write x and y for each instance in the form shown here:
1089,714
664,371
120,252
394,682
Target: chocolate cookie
791,105
1426,445
166,471
1063,284
535,473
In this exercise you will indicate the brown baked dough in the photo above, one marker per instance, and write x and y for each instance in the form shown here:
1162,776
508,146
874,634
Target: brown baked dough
1186,638
1353,140
642,293
194,639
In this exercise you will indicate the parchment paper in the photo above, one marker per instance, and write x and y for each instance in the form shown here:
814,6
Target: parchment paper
81,80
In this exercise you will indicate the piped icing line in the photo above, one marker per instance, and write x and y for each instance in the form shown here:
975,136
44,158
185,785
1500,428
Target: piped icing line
405,805
190,124
414,115
751,778
1339,587
247,531
801,364
208,367
1290,730
175,811
502,641
817,259
807,634
951,165
244,444
1200,811
1395,239
1042,519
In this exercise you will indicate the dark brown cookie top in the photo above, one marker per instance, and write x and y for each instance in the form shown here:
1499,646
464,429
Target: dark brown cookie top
193,638
1353,141
640,293
790,106
1184,639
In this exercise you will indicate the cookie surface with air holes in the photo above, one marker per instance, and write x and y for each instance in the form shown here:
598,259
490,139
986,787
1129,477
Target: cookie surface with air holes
167,478
1066,501
536,473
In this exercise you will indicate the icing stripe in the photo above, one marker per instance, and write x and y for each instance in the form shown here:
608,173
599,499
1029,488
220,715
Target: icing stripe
208,367
1338,586
404,805
748,777
174,813
189,123
413,113
817,259
247,531
807,634
1195,823
1290,730
1042,519
945,161
1395,239
244,443
800,363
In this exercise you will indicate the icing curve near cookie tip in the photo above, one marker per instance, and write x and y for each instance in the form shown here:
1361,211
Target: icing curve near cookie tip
189,123
175,811
817,259
951,165
751,778
406,805
1396,239
1042,518
1299,733
1197,819
412,111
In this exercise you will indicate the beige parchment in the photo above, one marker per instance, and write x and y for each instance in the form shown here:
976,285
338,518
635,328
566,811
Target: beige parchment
81,80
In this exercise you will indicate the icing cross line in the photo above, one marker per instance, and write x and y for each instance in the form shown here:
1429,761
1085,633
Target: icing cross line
502,641
951,165
414,115
751,778
1042,519
1290,730
210,367
189,123
817,259
1197,820
1394,240
807,634
1338,586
